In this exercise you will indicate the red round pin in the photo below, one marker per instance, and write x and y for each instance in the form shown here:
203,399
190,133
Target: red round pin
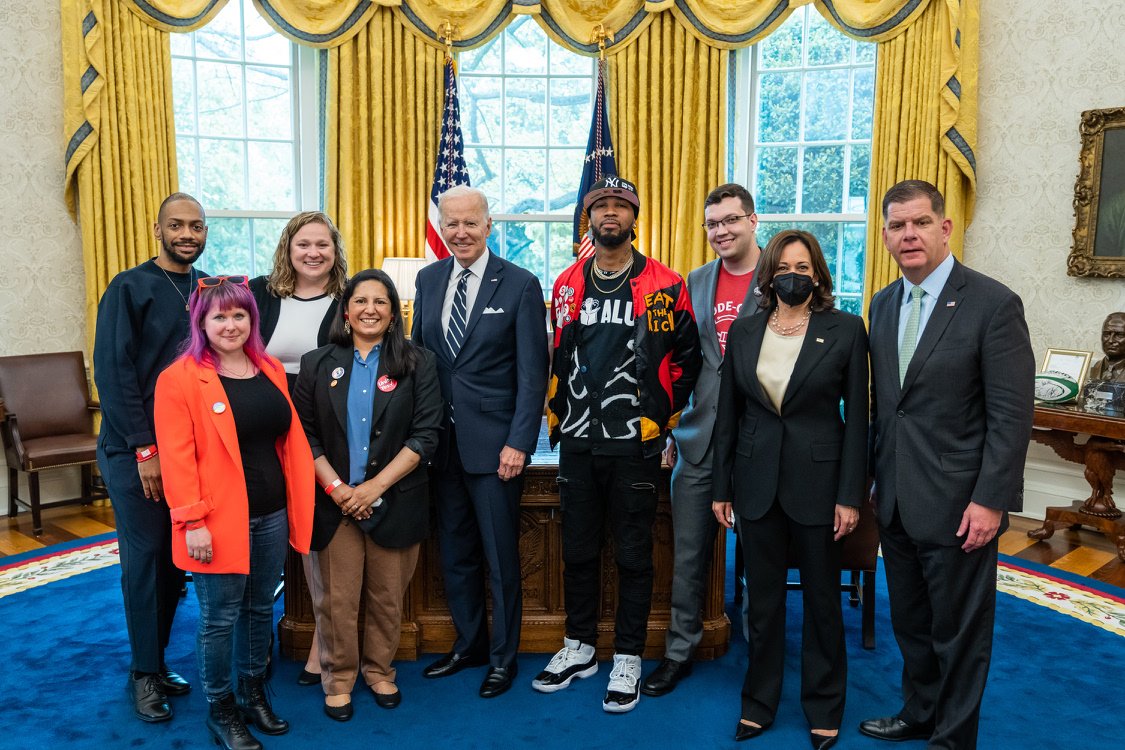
386,384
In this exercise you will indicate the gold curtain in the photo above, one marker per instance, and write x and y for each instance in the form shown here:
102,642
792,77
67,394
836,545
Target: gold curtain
384,104
925,123
668,117
121,153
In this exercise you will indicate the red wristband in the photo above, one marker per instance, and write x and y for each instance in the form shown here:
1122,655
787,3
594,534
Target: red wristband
144,454
193,525
328,488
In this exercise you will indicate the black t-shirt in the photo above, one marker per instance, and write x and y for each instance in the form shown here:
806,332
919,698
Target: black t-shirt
604,410
261,416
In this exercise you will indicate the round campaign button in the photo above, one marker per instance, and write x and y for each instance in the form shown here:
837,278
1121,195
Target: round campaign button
338,373
218,407
386,384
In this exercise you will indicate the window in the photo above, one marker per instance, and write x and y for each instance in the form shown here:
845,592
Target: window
236,85
525,116
805,148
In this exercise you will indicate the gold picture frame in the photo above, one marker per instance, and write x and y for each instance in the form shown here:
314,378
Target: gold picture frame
1073,362
1099,197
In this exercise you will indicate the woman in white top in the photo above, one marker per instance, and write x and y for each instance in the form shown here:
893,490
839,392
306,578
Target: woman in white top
792,466
297,303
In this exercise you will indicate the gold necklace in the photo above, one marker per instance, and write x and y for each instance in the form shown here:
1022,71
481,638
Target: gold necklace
594,281
775,321
224,370
191,278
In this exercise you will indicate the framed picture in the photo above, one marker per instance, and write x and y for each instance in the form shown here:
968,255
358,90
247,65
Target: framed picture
1071,362
1099,197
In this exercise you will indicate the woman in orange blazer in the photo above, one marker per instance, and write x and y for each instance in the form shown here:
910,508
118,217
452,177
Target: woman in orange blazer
238,476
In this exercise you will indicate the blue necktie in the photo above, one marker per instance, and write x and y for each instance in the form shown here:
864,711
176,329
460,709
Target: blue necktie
458,316
910,335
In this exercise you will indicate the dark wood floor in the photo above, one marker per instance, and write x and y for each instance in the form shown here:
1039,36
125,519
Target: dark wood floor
1083,551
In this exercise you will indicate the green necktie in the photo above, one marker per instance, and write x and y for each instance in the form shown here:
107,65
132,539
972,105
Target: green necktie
910,335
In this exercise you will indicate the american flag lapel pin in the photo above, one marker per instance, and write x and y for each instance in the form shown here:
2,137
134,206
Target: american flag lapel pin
951,303
820,341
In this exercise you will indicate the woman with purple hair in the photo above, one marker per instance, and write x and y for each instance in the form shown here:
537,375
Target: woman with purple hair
238,476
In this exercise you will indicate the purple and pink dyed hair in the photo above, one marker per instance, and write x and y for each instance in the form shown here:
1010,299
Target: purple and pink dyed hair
223,297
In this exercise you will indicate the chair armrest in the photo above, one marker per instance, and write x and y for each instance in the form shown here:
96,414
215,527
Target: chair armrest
10,430
3,411
94,405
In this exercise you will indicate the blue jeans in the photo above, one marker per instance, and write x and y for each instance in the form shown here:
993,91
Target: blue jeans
236,611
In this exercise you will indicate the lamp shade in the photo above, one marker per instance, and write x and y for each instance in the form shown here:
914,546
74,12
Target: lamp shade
403,272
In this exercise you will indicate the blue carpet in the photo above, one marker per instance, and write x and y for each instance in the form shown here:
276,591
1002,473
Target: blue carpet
1055,683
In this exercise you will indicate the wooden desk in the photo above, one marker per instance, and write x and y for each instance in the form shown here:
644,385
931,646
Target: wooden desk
428,628
1102,454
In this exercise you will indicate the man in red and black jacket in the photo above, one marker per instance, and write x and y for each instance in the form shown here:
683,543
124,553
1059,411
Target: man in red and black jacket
626,359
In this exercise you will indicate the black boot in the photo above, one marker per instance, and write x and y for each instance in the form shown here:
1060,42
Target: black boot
225,723
255,705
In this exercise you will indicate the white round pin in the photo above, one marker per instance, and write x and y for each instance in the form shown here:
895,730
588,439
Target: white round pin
338,372
218,407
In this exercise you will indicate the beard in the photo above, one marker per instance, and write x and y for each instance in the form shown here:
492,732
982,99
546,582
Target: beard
177,252
613,238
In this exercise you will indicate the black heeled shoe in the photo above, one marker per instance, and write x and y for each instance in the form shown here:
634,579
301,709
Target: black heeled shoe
747,732
339,713
307,678
823,741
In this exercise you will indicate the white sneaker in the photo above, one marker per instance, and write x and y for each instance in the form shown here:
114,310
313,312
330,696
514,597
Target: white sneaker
624,684
576,659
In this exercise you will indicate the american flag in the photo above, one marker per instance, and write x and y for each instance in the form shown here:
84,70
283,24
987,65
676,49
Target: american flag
599,163
450,170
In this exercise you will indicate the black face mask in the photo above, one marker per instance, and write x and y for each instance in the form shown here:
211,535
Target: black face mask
793,288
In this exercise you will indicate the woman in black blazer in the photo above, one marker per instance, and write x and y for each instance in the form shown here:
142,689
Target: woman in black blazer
296,305
371,407
790,463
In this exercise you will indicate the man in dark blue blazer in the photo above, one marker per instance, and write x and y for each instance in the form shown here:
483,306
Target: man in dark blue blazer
485,319
952,404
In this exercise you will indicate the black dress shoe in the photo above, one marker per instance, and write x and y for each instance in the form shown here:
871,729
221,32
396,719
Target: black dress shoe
746,732
664,678
822,741
388,700
498,680
255,705
895,729
452,663
307,678
149,701
171,683
339,713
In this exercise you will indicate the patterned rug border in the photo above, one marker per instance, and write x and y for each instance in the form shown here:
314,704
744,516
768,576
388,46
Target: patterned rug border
51,566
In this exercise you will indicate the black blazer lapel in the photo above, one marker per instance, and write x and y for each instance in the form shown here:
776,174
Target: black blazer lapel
340,359
757,332
431,323
945,307
381,397
884,329
819,338
493,276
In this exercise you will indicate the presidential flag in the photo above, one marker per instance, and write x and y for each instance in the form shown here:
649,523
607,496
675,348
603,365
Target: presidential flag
450,170
599,163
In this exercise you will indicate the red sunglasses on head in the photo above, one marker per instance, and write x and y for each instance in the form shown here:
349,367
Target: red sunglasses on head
210,282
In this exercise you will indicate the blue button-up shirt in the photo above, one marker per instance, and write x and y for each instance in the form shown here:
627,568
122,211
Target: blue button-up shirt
932,285
361,398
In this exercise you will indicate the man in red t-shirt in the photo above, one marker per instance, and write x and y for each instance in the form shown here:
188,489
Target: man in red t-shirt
721,291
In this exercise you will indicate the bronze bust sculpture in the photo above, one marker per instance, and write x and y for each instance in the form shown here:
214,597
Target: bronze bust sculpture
1112,367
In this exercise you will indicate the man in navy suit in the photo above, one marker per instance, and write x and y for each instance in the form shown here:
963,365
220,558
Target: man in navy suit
952,404
485,319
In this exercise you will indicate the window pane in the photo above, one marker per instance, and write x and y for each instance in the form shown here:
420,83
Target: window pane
525,181
271,167
266,234
525,47
484,171
220,99
851,276
525,244
863,103
525,112
854,305
779,107
182,44
823,181
782,48
562,251
827,233
228,246
221,171
563,61
222,37
185,164
571,107
183,101
865,52
483,59
263,44
267,96
827,46
858,179
481,110
826,105
775,180
565,176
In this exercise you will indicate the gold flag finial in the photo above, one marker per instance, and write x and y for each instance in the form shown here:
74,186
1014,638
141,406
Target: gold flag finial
446,36
601,36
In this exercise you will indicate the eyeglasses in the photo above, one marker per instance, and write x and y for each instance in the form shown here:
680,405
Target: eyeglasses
210,282
726,221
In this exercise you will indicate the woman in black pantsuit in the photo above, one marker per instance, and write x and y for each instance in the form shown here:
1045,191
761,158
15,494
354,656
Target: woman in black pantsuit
790,463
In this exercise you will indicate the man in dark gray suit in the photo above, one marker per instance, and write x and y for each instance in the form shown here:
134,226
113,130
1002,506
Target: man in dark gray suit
952,374
720,292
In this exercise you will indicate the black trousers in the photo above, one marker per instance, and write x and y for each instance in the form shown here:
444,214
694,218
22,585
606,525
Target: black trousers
943,605
766,544
478,518
592,488
150,583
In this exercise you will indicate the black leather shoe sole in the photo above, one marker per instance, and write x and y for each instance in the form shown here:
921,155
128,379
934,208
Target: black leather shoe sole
339,713
498,681
451,664
388,700
307,678
894,730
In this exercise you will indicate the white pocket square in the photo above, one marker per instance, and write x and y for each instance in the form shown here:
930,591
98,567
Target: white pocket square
490,311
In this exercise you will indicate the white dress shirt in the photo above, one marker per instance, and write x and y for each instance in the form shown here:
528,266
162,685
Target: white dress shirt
472,286
932,285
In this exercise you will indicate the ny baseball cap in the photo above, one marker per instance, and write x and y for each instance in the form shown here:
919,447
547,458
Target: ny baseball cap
612,186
